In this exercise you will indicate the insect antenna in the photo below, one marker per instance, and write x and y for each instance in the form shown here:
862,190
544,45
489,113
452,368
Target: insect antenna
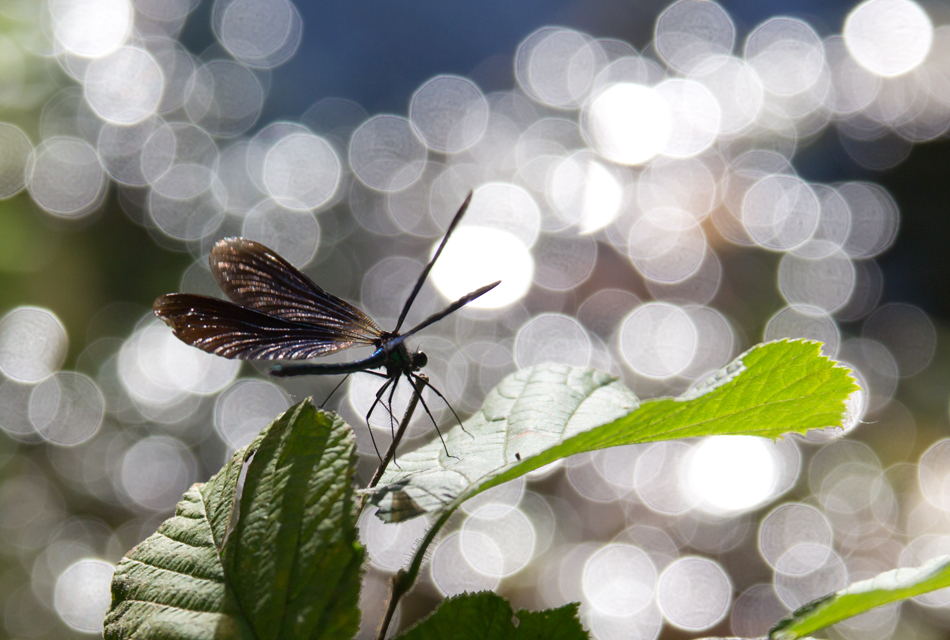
438,252
452,308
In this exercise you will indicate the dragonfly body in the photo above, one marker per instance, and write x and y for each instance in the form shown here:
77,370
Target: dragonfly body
278,313
391,355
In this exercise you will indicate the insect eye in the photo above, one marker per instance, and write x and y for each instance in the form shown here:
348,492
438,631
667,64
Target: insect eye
420,359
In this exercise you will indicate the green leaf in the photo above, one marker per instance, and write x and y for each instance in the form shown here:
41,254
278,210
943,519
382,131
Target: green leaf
885,588
539,415
482,615
278,560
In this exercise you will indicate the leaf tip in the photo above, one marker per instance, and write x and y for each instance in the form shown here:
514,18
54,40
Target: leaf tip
842,376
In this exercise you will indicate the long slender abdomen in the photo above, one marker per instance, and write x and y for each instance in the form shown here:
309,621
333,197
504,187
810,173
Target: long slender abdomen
378,359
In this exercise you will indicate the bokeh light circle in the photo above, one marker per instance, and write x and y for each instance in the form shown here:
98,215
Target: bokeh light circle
84,593
451,571
186,202
503,206
806,569
786,54
756,611
658,340
67,178
302,171
730,474
389,543
91,28
655,466
246,407
824,283
293,234
619,579
780,212
498,254
805,322
449,113
15,161
385,153
33,344
224,98
686,185
156,471
121,147
934,474
907,332
693,593
557,66
874,219
695,117
689,31
552,337
737,89
790,525
667,245
124,87
888,37
497,545
585,192
563,262
629,123
67,408
259,33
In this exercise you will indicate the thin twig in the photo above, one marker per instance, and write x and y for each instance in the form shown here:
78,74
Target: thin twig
398,590
405,579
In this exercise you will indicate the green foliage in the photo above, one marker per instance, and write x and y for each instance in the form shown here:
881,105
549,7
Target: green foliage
882,589
273,557
474,616
549,412
267,548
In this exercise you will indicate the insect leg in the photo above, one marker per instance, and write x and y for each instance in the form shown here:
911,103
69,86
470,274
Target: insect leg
379,395
392,419
429,413
459,420
340,384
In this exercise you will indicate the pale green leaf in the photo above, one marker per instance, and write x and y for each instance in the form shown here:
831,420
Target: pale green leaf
539,415
891,586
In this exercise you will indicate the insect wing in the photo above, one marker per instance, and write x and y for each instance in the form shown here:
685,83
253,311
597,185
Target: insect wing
226,329
255,277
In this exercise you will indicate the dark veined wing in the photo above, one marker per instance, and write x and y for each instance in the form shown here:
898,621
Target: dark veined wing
255,277
226,329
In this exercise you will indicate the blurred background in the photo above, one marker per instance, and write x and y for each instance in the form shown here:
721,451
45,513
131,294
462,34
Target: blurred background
660,187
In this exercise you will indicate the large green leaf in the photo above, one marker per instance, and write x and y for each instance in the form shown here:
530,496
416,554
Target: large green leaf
885,588
475,616
539,415
280,562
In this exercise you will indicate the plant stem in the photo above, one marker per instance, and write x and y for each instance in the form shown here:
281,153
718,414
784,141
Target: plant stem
397,592
405,579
